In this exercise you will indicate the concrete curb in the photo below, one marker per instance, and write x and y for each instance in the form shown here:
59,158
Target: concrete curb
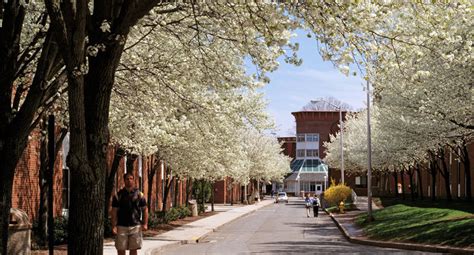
397,245
158,250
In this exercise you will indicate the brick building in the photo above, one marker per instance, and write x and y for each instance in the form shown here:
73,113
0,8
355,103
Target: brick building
308,171
308,154
26,189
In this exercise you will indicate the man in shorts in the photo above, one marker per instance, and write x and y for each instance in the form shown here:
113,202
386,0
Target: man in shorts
128,207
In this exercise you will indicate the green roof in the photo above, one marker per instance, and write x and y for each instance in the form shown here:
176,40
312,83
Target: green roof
308,165
296,165
313,165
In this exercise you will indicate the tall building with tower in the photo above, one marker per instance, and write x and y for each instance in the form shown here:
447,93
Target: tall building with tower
309,173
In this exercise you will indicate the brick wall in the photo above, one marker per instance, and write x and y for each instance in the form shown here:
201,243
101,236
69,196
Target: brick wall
26,189
322,122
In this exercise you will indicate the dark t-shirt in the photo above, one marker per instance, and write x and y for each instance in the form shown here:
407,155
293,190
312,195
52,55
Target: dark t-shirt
129,205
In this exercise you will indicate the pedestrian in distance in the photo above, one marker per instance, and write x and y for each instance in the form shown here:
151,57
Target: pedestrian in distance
316,205
308,204
129,217
272,193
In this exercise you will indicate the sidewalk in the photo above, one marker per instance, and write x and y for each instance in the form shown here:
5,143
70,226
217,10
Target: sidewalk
194,231
345,222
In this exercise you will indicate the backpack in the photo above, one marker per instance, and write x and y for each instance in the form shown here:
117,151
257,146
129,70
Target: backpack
316,202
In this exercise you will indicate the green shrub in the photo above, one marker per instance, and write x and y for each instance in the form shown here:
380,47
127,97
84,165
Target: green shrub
155,219
171,215
37,241
60,233
60,230
337,193
202,208
184,212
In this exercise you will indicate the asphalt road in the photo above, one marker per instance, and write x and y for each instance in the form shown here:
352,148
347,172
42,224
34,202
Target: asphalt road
280,229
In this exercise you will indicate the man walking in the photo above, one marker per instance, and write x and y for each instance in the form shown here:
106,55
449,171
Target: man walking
128,207
316,205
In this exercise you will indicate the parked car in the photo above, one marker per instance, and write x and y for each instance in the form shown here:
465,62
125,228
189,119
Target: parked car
281,197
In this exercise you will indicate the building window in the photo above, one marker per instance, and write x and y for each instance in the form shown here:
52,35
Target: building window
361,181
300,138
312,153
300,153
312,137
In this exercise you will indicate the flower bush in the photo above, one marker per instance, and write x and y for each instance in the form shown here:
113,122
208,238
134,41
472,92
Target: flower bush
337,193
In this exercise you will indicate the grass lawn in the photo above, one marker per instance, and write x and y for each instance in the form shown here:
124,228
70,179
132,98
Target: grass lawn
421,224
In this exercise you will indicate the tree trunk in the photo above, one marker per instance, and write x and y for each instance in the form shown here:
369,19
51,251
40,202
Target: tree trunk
212,195
433,171
412,189
420,184
402,177
131,158
168,181
6,185
387,184
110,182
203,195
467,169
15,128
89,111
43,185
44,181
176,192
189,184
395,178
444,171
154,165
231,194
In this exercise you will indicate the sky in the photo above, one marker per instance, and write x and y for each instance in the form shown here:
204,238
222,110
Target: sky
293,87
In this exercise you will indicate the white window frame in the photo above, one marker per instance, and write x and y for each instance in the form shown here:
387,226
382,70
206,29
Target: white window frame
300,153
300,138
312,137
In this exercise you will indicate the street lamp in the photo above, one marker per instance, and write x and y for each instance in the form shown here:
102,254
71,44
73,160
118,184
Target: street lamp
369,159
325,182
341,141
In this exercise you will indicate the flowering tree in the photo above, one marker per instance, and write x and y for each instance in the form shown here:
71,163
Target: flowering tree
258,30
31,79
89,38
419,59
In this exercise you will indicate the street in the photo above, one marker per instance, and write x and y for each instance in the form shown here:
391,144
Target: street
280,229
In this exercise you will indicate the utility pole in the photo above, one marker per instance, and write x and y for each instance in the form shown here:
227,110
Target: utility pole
369,159
51,143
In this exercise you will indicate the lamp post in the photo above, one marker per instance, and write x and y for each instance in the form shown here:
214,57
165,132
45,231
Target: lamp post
341,141
297,190
369,159
325,182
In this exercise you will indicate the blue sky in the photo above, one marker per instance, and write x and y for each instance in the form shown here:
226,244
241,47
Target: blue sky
293,87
